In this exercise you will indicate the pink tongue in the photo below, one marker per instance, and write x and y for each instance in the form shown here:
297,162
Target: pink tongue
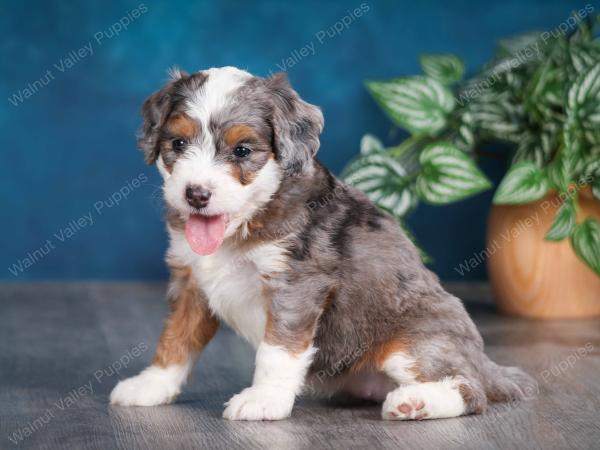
205,233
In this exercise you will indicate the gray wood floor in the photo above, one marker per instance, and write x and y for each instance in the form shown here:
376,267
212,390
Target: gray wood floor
61,346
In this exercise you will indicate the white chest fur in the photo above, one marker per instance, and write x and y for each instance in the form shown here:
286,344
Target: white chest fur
232,282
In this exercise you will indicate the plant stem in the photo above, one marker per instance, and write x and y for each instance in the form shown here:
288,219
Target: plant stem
410,142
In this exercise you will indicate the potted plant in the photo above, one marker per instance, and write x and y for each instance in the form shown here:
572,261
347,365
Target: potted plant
540,94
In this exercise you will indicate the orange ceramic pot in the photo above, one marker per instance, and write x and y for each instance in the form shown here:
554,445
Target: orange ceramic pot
535,278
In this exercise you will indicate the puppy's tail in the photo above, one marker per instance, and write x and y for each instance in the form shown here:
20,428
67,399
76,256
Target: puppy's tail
508,384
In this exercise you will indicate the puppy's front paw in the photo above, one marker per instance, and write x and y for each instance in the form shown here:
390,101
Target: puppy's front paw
149,388
260,403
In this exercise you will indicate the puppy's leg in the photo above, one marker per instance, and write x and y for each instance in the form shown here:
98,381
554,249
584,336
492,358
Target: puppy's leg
188,329
278,378
414,399
282,360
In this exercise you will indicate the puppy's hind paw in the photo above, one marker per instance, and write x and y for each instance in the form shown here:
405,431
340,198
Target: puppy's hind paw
432,400
410,409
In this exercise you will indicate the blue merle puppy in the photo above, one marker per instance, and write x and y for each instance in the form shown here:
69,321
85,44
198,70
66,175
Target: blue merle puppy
303,266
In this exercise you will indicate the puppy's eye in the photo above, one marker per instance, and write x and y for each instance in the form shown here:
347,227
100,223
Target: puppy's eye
178,145
241,152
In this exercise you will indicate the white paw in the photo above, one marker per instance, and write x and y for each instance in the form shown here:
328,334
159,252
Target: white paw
260,403
400,407
433,400
150,388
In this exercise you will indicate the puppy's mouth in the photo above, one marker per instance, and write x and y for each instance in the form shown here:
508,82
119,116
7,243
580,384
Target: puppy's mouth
205,234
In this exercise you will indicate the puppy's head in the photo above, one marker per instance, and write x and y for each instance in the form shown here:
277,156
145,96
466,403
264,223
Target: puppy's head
223,141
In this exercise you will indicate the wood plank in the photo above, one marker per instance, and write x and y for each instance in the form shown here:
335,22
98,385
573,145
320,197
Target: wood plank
56,337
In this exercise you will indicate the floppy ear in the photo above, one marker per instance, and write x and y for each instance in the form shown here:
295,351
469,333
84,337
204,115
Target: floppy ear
297,124
155,110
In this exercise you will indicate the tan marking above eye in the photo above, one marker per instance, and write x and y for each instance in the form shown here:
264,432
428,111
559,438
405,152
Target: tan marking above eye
183,125
239,133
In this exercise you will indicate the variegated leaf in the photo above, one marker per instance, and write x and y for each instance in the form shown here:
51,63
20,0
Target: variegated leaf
523,183
535,148
445,68
583,101
370,144
499,119
512,46
448,175
586,243
582,56
585,28
592,137
384,180
419,104
591,172
564,222
545,91
596,188
463,137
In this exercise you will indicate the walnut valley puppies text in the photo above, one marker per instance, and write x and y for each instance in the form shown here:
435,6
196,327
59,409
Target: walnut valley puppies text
527,53
77,224
77,394
70,59
322,36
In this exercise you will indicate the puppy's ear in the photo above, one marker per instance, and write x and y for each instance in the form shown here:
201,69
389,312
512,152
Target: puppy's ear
297,124
155,110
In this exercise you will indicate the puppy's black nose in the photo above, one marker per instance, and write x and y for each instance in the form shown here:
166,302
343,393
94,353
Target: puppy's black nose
197,196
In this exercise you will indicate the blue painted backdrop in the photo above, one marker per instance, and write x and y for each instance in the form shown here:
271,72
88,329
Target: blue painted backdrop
72,82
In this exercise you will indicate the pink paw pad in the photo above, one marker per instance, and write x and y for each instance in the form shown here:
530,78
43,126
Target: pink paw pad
413,409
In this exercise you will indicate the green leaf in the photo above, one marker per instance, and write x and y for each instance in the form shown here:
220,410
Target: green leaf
419,104
536,148
523,183
445,68
596,188
370,144
592,137
462,136
585,28
582,56
545,91
497,117
448,175
583,100
514,45
385,181
586,243
407,153
564,222
561,171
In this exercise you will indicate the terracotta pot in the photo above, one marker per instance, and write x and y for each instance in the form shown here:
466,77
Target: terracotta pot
535,278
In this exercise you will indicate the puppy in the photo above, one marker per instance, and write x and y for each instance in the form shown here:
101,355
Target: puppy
321,282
